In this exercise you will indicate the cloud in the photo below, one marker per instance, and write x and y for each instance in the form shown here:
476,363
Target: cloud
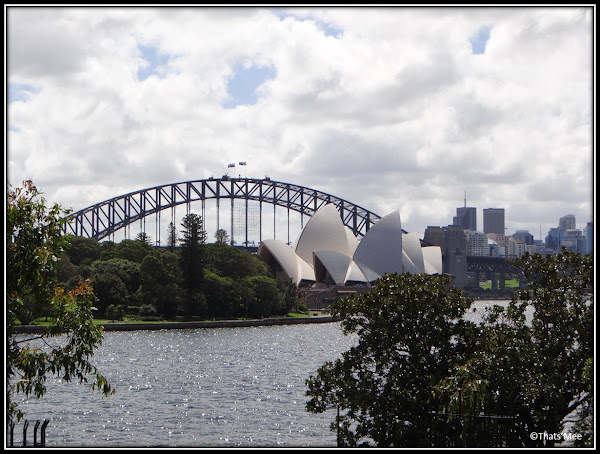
385,107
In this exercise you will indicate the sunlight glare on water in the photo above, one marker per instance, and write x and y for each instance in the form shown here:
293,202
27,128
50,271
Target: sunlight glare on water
194,388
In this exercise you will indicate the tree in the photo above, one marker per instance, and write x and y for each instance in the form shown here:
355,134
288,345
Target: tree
527,367
221,295
407,327
83,250
109,290
236,263
133,250
34,240
536,353
143,237
265,299
192,262
126,270
161,279
222,236
171,237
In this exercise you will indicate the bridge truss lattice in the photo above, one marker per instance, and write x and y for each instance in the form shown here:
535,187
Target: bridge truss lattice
104,219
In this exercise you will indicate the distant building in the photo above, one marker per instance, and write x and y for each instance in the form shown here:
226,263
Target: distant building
574,241
508,246
434,236
589,233
454,254
478,244
568,236
466,217
554,238
494,248
524,236
567,222
493,220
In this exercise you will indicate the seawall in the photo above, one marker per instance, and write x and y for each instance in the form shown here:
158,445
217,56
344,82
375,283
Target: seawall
194,325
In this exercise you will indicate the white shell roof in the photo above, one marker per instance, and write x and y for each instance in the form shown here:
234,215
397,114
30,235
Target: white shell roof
380,250
335,263
352,242
305,270
284,255
412,257
324,231
326,241
355,274
432,255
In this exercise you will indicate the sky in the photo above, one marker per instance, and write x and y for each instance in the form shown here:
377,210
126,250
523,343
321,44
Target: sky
390,108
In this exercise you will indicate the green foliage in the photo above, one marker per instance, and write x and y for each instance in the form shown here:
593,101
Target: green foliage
263,297
144,238
132,250
34,241
233,262
109,290
222,295
127,271
421,376
161,282
83,250
192,254
221,236
384,385
537,367
172,281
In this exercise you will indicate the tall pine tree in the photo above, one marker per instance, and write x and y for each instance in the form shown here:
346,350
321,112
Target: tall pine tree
192,262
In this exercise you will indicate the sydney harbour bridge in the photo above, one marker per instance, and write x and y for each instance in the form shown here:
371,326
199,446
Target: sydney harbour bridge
246,198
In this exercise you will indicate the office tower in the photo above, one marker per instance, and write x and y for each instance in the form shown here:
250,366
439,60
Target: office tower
567,222
493,220
466,217
434,235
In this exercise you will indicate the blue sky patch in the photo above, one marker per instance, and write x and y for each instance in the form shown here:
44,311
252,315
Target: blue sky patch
244,82
156,62
20,92
480,39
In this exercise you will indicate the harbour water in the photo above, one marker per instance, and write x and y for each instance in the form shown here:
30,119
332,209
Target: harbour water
196,388
211,387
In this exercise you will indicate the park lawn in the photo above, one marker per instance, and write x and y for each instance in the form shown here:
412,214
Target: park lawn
509,283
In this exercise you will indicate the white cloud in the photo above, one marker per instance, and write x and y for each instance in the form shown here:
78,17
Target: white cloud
385,107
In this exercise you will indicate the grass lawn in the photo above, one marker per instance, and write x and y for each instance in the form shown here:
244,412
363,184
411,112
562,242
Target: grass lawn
509,283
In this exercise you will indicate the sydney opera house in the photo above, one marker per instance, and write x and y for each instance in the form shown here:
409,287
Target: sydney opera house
327,252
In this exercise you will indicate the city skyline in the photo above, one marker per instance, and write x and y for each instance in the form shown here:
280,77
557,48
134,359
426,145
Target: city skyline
537,234
387,107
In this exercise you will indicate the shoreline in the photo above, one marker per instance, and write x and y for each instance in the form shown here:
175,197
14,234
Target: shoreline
33,329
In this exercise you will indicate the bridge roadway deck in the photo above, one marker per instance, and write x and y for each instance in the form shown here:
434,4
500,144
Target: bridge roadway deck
490,264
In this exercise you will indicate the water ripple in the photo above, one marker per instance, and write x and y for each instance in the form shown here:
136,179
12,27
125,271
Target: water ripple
197,388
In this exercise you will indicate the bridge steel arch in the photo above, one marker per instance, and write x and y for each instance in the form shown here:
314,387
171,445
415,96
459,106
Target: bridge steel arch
105,218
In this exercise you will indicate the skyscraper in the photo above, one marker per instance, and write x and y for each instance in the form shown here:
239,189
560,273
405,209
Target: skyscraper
466,217
567,222
493,220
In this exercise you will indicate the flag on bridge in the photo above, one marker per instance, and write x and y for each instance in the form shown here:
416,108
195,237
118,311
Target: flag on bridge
243,163
231,165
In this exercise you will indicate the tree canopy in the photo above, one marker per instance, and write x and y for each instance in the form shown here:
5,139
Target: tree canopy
422,376
34,241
